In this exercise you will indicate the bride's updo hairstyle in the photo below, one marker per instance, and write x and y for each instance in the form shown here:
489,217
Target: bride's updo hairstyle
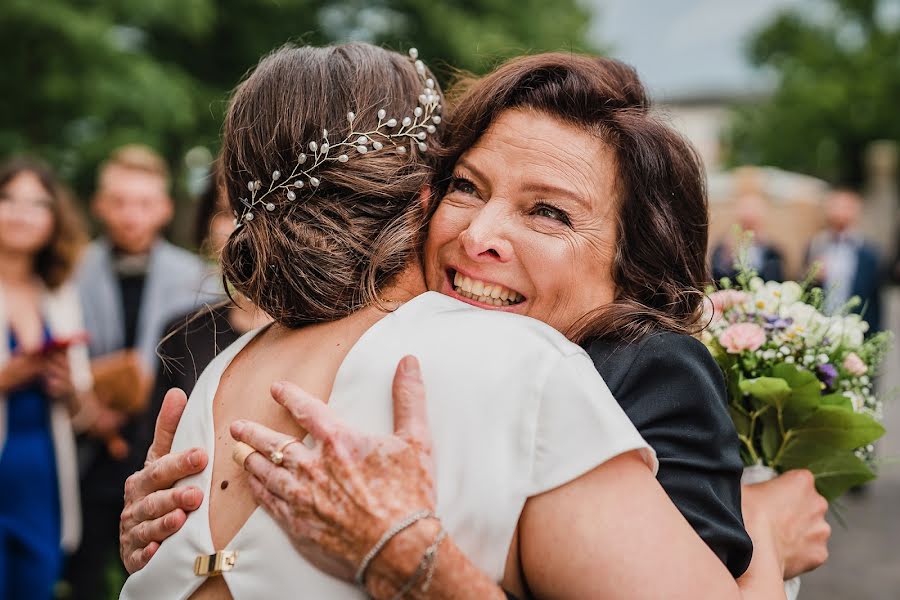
324,250
659,267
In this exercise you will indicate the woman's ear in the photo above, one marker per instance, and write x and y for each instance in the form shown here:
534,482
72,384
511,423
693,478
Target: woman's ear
425,195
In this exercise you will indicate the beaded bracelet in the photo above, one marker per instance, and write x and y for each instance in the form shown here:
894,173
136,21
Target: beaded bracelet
388,535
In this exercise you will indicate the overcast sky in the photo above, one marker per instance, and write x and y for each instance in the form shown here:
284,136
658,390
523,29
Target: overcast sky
686,47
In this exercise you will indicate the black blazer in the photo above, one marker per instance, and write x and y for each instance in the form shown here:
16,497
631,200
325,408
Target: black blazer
674,393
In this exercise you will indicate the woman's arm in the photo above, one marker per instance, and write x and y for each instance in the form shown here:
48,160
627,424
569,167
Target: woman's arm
614,533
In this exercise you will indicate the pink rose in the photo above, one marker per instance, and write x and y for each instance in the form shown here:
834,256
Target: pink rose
854,365
726,299
742,336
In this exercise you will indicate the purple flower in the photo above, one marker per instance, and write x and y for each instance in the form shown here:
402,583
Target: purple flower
827,374
775,322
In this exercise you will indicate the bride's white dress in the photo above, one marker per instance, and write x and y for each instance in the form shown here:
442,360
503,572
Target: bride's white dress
515,409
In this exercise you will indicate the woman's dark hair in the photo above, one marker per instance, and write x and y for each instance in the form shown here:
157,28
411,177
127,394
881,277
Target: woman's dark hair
56,261
329,252
659,267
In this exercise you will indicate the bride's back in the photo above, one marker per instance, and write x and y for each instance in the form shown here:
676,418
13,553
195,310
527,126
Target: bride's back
324,154
309,357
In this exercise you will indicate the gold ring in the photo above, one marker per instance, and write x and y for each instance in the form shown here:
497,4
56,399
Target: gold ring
277,457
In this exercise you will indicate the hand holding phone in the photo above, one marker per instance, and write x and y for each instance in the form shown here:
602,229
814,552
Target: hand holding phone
62,344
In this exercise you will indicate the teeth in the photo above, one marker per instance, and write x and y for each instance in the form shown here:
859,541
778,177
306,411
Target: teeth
491,294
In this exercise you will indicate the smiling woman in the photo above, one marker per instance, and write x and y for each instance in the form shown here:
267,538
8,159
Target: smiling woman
567,149
529,209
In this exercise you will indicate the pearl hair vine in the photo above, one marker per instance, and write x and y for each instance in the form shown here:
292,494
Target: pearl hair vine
390,134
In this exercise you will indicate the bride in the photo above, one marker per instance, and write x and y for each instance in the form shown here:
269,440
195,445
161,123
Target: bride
325,153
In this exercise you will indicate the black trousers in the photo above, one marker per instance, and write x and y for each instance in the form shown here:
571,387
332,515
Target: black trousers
95,568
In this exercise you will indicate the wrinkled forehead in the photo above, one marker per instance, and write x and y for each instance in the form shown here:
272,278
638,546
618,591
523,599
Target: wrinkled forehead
526,148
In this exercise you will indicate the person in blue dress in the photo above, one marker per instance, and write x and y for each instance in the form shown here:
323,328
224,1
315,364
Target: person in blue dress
44,379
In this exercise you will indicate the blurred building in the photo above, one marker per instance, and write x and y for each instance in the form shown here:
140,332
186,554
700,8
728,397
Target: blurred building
697,72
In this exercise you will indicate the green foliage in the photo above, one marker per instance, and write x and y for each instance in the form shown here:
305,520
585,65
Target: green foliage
838,81
836,427
769,390
794,427
81,78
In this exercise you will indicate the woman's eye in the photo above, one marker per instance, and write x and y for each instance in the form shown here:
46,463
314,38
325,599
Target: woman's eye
549,212
460,184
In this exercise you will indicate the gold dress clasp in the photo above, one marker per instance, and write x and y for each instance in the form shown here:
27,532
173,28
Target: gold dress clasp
210,565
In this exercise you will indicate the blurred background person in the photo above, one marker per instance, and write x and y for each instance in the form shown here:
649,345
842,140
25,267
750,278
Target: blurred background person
194,338
848,265
44,377
762,256
132,282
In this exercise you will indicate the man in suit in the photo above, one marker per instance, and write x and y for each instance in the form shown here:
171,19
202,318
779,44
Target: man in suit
763,257
131,282
848,265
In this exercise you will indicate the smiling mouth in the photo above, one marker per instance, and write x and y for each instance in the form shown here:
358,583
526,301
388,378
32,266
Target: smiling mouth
492,294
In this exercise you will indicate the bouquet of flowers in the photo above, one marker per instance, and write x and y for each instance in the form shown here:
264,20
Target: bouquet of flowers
800,383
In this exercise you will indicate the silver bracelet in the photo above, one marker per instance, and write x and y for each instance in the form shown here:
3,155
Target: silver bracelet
381,543
426,567
431,556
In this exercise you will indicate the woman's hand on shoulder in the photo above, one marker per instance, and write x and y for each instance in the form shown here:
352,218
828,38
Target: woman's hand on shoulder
796,513
337,498
153,510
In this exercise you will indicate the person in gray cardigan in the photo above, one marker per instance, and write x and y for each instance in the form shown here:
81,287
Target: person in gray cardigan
131,282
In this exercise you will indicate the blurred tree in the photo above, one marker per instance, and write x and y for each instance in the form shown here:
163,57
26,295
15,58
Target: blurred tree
838,83
84,76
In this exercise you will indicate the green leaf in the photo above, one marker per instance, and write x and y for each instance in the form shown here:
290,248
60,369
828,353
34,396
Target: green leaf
741,420
837,400
770,436
838,428
805,386
840,472
769,390
806,393
802,452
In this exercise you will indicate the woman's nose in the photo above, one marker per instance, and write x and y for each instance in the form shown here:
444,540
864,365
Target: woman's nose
484,239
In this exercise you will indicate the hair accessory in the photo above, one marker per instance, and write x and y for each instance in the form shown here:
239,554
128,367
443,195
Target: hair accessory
390,132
